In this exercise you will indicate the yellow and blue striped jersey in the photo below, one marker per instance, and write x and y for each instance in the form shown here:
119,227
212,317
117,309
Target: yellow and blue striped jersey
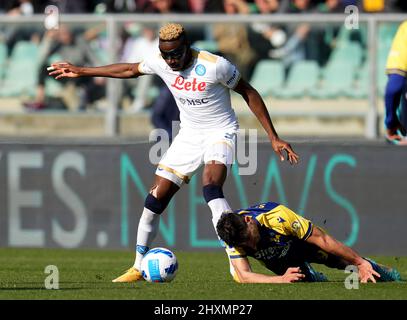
279,229
397,59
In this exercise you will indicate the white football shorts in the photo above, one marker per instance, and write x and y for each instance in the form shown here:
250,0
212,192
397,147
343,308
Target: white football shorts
192,148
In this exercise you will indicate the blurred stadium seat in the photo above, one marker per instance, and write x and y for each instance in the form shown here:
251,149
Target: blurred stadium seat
361,90
101,54
53,87
3,58
386,32
347,37
208,45
21,73
268,77
337,80
152,93
347,54
303,76
381,79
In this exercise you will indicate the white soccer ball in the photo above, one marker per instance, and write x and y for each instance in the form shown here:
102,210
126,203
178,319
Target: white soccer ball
159,265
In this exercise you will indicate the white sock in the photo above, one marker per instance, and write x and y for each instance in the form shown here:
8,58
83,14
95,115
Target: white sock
147,230
218,206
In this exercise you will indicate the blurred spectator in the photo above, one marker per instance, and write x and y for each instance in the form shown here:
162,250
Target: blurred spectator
149,6
306,41
299,6
214,6
295,47
373,5
322,37
266,36
72,6
136,49
330,6
15,33
121,6
232,38
164,109
38,6
141,45
196,6
267,6
21,8
70,48
166,6
350,2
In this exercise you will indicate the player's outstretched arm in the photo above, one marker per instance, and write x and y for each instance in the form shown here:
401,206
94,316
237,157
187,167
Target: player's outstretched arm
245,274
61,70
257,106
333,246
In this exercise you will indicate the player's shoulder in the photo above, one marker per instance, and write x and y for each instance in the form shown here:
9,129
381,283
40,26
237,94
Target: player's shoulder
400,37
257,209
262,212
205,56
264,206
403,26
272,213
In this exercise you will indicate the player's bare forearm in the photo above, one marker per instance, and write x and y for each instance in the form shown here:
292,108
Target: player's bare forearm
292,275
333,246
61,70
252,277
257,106
246,275
117,70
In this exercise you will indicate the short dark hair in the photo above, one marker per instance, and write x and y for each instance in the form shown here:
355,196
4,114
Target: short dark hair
232,229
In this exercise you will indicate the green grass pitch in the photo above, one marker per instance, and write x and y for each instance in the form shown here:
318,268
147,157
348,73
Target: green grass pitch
87,274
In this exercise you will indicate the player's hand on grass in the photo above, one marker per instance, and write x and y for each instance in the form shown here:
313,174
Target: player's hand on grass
63,70
279,146
292,275
366,272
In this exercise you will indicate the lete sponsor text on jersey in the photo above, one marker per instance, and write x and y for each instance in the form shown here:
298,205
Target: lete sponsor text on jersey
181,84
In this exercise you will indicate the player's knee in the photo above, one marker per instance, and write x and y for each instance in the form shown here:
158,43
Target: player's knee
212,191
216,175
153,190
156,205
